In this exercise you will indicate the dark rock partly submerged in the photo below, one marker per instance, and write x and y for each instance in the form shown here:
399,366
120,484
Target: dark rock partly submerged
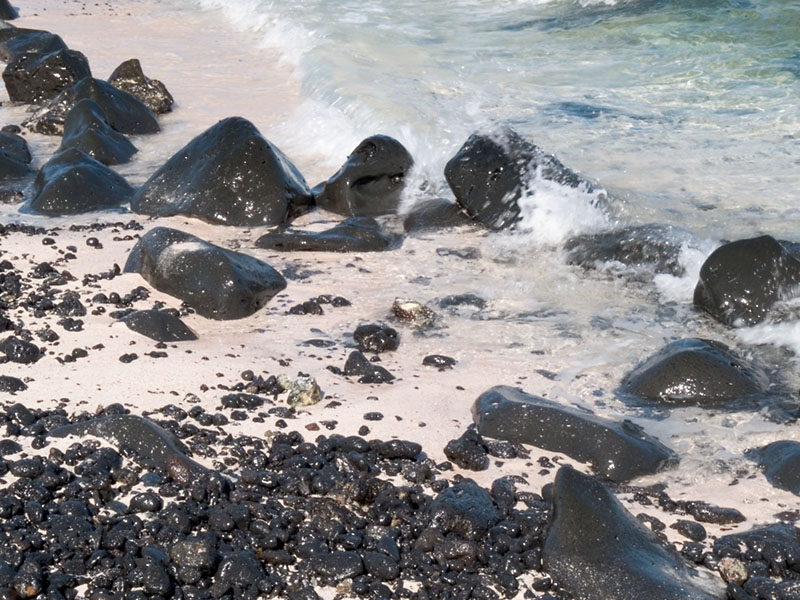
435,214
489,174
72,182
356,234
618,451
230,175
158,325
217,283
86,128
370,183
781,463
596,549
32,78
695,371
741,281
130,78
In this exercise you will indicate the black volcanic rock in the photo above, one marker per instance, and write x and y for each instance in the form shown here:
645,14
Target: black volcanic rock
130,78
12,385
86,128
124,112
358,365
33,77
72,183
489,174
158,325
465,509
229,175
742,280
17,41
15,158
356,234
781,463
596,549
218,283
7,11
435,214
20,351
618,451
694,371
370,182
148,442
375,337
655,246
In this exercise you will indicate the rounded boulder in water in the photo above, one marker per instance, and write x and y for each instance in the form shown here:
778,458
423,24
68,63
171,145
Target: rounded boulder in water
356,234
130,78
435,214
370,182
218,283
17,41
229,175
86,128
159,325
595,548
72,182
33,78
15,158
741,281
694,371
781,464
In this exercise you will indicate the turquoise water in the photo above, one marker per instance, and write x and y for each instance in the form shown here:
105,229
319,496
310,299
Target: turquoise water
687,112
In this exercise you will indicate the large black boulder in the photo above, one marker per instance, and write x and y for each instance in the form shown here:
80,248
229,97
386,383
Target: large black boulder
229,175
86,128
742,280
655,247
7,11
356,234
370,182
694,371
14,145
17,41
618,451
15,158
72,183
148,442
595,548
158,325
781,463
130,78
435,214
465,509
490,173
124,112
33,78
217,283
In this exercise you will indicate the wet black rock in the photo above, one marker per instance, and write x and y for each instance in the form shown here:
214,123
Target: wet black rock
375,337
370,183
9,447
439,361
229,174
124,113
240,574
618,451
465,509
195,553
73,183
656,247
490,173
468,451
16,41
130,78
15,159
11,385
596,549
356,234
435,214
86,128
781,463
149,443
694,371
775,546
690,529
333,567
710,513
7,12
741,281
159,325
35,77
20,351
146,502
368,372
217,283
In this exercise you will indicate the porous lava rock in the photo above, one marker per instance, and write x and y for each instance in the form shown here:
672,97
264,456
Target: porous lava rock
35,77
217,283
130,78
124,112
656,247
149,443
7,12
595,548
86,128
694,371
356,234
20,351
490,173
781,463
370,182
618,451
72,182
12,385
376,337
437,213
158,325
230,175
741,281
465,509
